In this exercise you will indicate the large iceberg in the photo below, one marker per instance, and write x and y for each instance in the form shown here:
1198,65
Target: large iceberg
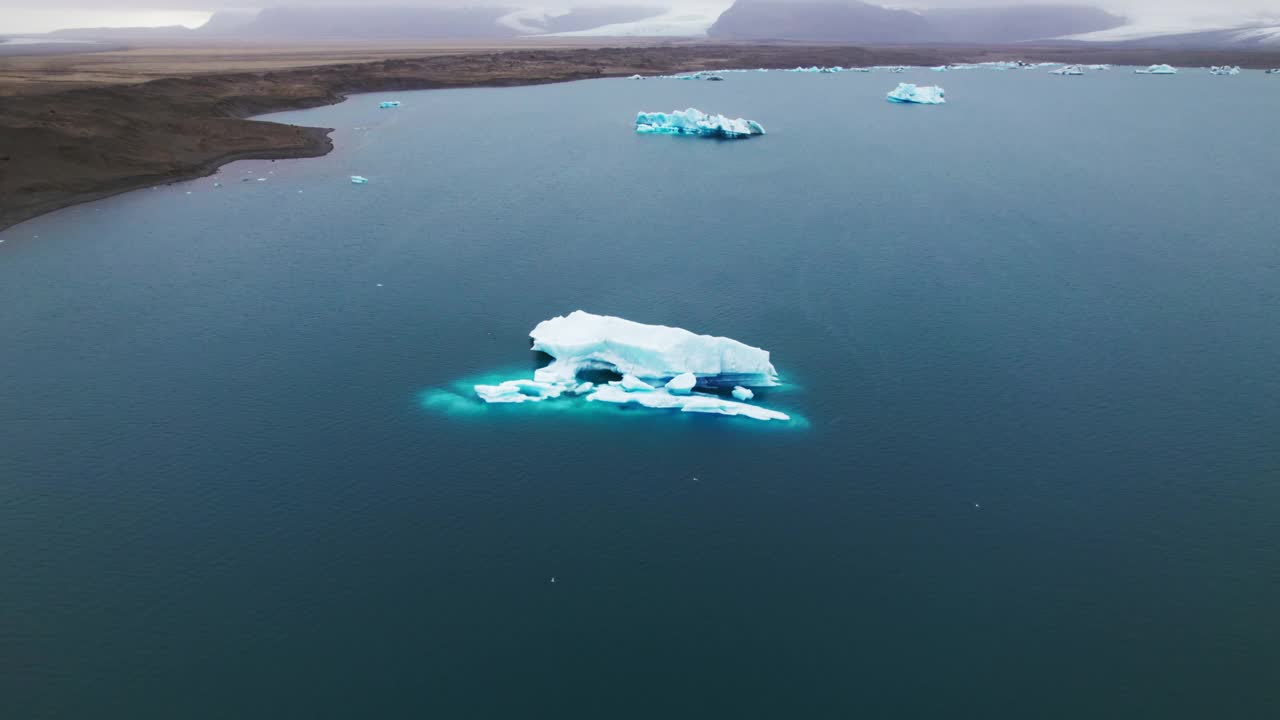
1157,70
922,94
583,341
696,122
661,367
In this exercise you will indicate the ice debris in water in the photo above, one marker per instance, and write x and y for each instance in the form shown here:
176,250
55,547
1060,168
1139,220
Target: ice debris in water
359,180
660,367
1068,70
922,94
388,104
1157,70
1224,70
696,122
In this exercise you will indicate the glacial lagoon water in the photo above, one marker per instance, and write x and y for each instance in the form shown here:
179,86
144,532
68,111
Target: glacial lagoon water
1034,335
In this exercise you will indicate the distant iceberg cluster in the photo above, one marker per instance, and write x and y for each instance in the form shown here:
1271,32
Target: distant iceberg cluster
695,122
920,94
1157,70
662,368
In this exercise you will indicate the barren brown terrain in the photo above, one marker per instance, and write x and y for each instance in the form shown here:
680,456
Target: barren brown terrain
75,128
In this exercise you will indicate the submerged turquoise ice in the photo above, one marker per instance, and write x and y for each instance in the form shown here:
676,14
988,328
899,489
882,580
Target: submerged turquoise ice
1034,334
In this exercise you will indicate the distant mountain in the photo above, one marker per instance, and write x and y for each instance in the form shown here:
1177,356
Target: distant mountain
817,20
379,23
853,21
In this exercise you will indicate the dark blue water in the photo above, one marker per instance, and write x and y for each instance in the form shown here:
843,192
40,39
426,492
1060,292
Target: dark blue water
1034,335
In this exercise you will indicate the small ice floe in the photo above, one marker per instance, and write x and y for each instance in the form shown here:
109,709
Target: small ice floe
743,394
359,180
217,184
262,179
696,122
188,192
682,384
553,578
1224,70
919,94
940,68
1274,71
388,104
1068,70
637,76
1157,70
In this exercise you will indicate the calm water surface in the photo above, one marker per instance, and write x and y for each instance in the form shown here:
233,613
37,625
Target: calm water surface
1034,335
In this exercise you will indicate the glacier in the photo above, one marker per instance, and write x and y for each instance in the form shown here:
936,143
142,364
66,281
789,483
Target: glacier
661,367
695,122
921,94
1157,70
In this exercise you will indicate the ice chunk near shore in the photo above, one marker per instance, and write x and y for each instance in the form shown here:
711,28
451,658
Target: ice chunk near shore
1068,70
660,367
359,180
1224,70
1157,70
696,122
921,94
388,104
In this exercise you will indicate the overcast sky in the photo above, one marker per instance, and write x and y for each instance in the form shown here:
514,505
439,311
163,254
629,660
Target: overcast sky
17,16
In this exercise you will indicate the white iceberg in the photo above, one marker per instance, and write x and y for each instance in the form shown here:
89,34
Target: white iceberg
1068,70
660,367
921,94
1157,70
696,122
388,104
1224,70
584,341
359,180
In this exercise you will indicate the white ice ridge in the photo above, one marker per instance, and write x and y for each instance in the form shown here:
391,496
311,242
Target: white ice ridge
660,367
696,122
1157,70
922,94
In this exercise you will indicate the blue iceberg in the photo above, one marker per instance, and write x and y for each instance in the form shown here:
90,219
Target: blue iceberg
696,122
921,94
388,104
660,367
359,180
